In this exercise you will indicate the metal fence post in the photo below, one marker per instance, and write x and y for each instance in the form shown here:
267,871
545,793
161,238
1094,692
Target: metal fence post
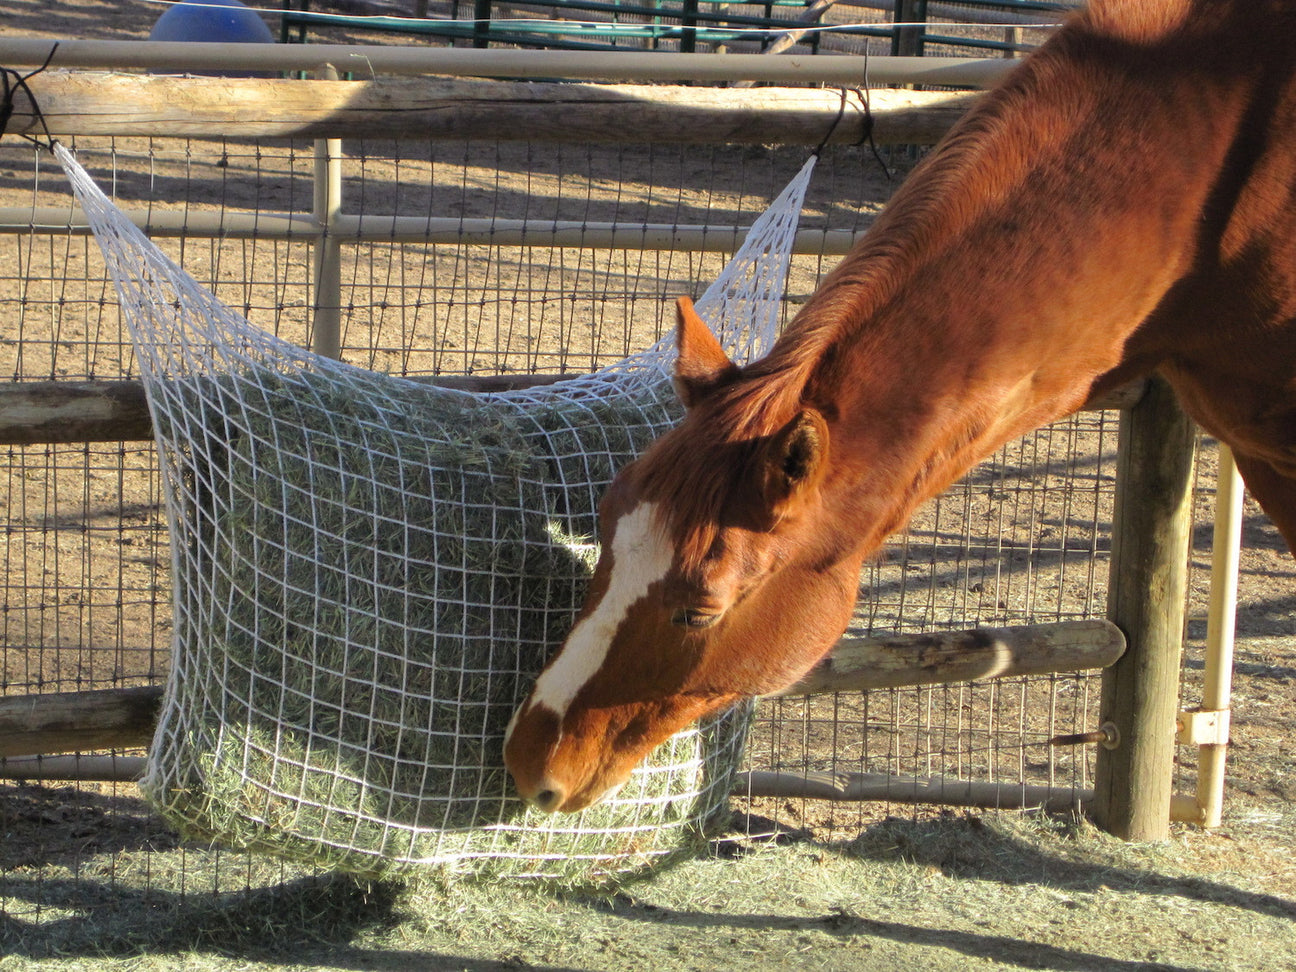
326,325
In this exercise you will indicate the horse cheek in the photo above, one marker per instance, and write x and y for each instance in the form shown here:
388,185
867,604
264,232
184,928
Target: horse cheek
799,621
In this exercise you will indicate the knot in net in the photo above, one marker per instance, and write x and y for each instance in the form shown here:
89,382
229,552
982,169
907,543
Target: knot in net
370,571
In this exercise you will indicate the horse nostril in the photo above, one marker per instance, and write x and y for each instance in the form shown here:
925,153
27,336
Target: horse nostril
547,801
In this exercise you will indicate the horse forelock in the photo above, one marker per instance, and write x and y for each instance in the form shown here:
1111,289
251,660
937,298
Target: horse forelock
705,473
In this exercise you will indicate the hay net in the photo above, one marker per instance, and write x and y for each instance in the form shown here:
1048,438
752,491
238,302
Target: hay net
370,571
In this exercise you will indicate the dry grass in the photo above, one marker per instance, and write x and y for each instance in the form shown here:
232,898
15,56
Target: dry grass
946,892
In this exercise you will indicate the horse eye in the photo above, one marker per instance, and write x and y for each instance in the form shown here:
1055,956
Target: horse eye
687,618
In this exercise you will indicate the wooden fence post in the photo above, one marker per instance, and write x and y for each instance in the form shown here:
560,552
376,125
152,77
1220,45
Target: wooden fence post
1149,573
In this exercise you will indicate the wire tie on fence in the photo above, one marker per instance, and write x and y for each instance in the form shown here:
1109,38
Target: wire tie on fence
862,92
841,112
13,83
866,133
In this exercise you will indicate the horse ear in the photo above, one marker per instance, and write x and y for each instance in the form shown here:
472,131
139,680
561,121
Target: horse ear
702,365
794,458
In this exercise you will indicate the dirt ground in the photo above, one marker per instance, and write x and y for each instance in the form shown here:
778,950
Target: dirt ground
89,878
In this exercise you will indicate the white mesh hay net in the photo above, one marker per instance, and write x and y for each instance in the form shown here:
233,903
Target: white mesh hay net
370,571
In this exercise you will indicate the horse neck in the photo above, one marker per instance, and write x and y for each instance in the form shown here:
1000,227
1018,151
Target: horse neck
1011,269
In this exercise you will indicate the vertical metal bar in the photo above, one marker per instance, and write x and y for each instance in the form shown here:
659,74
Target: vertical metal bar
1012,41
689,19
481,22
910,18
326,336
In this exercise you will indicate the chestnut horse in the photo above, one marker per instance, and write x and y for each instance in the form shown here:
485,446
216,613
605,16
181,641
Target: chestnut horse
1121,204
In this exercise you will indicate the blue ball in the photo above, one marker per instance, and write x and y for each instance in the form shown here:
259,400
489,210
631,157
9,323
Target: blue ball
215,21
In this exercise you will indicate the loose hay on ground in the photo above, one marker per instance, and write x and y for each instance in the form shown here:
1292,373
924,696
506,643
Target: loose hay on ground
946,893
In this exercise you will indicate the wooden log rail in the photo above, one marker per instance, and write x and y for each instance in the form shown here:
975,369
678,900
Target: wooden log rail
111,768
928,659
945,791
933,658
369,60
69,722
61,412
125,718
95,103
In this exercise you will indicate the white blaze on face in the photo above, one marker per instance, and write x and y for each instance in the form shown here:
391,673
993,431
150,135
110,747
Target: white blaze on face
641,556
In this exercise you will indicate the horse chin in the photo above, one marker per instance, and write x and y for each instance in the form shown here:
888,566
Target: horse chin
568,764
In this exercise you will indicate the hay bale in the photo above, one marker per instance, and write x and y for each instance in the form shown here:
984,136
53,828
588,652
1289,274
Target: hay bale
373,574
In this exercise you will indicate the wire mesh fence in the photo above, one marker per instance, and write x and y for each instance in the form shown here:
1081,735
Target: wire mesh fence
87,598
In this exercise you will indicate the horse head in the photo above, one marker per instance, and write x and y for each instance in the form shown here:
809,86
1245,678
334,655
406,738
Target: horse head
715,582
1118,205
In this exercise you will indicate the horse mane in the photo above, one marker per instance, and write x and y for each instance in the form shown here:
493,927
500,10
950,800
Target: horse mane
696,470
974,168
984,158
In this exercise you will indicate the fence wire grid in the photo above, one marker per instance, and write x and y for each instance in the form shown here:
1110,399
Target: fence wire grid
86,601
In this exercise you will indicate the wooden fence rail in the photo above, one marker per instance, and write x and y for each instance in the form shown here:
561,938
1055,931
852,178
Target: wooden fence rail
939,790
371,60
450,108
71,722
933,658
61,412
